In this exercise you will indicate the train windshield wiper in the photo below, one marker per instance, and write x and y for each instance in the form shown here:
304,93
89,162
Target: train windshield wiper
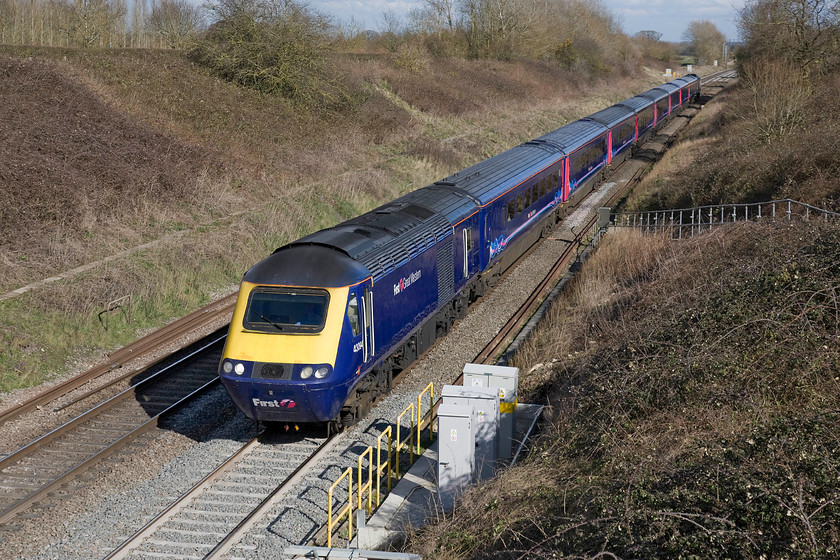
272,323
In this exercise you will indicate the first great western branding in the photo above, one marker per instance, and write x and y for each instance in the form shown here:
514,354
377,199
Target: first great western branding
404,283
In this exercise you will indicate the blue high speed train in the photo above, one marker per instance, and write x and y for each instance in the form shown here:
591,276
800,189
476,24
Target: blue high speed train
321,326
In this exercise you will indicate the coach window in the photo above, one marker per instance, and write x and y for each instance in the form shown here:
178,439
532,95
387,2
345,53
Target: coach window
353,315
519,207
535,192
468,232
511,209
527,202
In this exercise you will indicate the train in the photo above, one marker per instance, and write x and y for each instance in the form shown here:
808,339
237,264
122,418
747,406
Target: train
322,325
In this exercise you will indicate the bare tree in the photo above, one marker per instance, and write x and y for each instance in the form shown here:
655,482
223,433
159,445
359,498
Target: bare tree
90,22
177,21
804,32
649,35
706,40
446,12
391,30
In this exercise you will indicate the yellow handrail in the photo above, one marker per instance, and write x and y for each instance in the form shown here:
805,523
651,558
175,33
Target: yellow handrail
400,443
368,487
395,445
379,466
348,509
430,388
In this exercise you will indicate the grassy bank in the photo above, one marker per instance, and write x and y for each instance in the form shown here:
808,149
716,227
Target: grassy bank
692,386
693,397
111,149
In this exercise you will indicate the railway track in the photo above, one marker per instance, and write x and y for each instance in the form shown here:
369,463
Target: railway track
212,517
204,521
39,470
145,348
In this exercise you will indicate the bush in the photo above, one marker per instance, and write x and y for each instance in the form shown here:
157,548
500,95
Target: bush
278,49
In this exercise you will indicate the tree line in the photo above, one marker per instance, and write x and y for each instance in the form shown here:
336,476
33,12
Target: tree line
100,23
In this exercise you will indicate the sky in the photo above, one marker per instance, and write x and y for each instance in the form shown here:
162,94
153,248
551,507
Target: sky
669,17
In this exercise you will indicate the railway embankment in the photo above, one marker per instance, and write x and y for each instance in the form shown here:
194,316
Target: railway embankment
692,384
111,151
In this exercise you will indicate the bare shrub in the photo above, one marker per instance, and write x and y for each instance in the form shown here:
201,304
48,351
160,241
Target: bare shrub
277,47
779,94
412,57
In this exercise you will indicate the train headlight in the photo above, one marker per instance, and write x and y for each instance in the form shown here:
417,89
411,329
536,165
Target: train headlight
227,366
306,372
321,372
239,368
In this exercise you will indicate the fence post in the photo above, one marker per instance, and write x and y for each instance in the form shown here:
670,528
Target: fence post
680,230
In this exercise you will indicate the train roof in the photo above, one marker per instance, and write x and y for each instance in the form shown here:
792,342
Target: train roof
487,180
307,266
612,116
657,94
383,238
637,103
446,199
686,80
574,135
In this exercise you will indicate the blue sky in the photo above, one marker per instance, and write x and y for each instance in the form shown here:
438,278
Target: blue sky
669,17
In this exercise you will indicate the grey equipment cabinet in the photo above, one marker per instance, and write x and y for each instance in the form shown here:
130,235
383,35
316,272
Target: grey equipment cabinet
506,379
485,402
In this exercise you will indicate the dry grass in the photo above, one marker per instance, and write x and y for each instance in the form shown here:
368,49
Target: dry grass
771,142
109,149
693,392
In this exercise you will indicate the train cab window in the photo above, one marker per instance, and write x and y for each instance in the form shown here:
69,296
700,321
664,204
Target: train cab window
353,315
511,210
286,310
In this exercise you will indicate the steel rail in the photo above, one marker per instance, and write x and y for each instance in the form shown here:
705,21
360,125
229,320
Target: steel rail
113,382
172,509
137,349
266,504
98,409
125,549
128,438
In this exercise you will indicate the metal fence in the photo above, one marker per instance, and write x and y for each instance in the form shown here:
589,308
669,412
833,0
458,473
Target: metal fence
687,222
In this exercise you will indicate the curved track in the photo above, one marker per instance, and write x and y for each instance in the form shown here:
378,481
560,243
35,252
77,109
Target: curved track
205,522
